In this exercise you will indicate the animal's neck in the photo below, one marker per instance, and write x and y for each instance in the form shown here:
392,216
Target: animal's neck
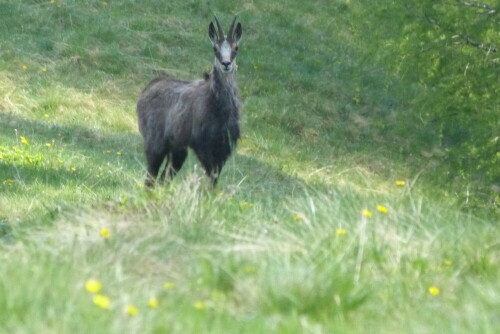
223,86
223,80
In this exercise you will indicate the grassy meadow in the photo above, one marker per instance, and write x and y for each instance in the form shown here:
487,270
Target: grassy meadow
331,217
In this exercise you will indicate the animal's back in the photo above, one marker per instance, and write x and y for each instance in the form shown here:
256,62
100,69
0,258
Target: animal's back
156,108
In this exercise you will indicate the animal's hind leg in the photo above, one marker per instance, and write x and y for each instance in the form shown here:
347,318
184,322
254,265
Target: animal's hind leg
175,160
154,162
178,158
168,166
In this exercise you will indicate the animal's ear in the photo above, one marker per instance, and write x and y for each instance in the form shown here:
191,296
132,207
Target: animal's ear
237,33
211,32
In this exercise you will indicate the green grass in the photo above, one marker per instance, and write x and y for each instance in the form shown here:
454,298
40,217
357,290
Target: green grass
282,245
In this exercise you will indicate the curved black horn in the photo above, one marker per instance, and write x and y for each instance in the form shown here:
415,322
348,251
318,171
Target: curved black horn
219,27
231,28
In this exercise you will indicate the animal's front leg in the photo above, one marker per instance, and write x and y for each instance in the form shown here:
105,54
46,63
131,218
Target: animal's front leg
214,176
207,161
212,172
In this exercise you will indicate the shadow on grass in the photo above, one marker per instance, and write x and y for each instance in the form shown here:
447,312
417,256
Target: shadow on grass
103,173
258,179
75,148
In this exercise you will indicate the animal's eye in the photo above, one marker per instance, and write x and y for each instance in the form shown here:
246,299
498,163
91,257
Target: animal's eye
236,48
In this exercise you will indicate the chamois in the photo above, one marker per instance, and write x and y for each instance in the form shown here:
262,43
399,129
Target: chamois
202,114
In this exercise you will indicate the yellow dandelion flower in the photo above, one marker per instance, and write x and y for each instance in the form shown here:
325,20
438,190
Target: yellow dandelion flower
153,302
108,151
382,209
400,183
93,286
169,285
105,233
199,305
44,69
46,115
24,140
131,310
250,269
366,213
25,67
102,301
448,262
246,205
9,182
297,217
340,231
433,290
118,153
72,169
48,144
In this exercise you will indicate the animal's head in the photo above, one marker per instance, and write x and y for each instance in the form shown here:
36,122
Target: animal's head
225,47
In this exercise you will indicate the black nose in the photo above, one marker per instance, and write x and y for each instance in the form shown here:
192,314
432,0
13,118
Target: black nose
226,63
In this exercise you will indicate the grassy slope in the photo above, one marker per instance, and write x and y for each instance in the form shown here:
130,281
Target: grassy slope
263,253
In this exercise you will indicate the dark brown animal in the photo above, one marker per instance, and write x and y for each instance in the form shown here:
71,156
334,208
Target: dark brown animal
202,114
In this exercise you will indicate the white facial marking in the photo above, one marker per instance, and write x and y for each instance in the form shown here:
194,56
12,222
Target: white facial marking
225,52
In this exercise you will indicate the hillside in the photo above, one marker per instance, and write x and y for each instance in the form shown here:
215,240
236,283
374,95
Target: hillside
363,195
